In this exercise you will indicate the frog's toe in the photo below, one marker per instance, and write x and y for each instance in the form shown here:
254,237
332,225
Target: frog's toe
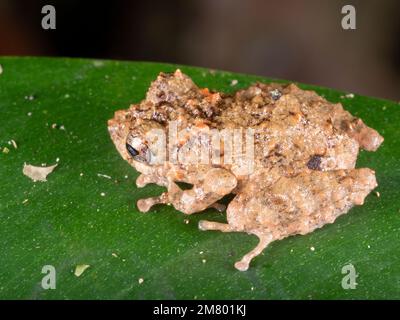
144,205
242,265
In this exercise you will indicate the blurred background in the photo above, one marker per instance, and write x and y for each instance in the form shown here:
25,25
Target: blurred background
300,40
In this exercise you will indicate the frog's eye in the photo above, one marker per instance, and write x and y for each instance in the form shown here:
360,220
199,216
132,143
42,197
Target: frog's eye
138,150
132,151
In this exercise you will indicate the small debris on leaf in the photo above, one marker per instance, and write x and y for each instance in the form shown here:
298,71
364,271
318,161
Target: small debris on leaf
1,69
378,194
234,82
31,97
13,143
312,249
25,201
103,176
140,280
103,194
98,63
204,260
6,150
349,96
114,255
29,114
80,268
186,221
37,173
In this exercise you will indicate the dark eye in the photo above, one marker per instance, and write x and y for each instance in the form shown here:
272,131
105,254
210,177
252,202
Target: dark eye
132,151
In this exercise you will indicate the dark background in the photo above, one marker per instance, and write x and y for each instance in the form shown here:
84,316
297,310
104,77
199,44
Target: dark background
300,40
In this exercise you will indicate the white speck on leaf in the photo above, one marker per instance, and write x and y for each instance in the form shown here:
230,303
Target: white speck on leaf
103,176
204,260
103,194
140,280
6,150
37,173
1,69
80,269
98,63
13,143
234,82
312,249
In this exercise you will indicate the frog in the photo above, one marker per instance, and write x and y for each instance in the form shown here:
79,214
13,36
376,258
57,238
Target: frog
300,174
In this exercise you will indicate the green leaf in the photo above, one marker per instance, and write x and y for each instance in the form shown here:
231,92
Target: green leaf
57,109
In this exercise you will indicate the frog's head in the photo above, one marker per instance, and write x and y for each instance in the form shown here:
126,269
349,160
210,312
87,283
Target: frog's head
137,147
145,145
139,141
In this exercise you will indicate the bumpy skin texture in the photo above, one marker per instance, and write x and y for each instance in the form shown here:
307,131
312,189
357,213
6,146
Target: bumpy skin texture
305,151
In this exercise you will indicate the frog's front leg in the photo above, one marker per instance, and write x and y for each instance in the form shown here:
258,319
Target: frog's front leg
145,179
215,184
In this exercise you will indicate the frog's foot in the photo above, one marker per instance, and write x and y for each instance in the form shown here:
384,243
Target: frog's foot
144,205
244,263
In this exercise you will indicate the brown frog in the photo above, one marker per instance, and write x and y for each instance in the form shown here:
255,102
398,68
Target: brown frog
300,174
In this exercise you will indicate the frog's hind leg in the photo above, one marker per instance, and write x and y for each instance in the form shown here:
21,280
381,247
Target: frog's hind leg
264,240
